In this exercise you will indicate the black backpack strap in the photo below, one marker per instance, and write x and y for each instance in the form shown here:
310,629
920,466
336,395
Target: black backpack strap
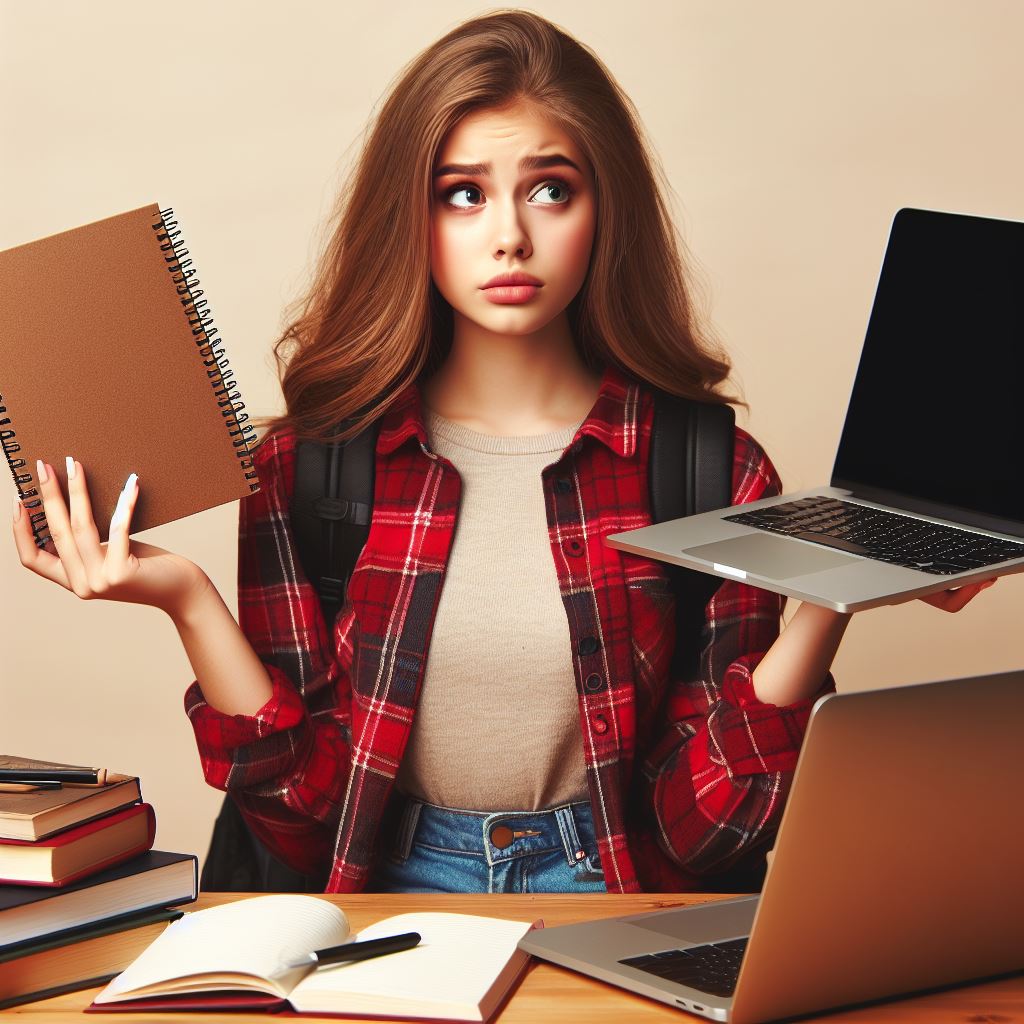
699,435
238,862
697,438
690,471
331,508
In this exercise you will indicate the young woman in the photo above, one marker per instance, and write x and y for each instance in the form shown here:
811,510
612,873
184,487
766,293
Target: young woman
492,710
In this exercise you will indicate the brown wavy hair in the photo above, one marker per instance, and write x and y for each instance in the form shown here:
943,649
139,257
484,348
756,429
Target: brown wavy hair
373,321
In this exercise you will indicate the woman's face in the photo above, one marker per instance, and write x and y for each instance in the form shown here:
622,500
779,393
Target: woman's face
511,193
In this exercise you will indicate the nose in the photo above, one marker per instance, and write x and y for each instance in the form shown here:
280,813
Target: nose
511,233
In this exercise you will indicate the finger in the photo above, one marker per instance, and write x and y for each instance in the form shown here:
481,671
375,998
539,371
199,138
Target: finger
60,528
958,600
83,526
118,541
954,600
41,562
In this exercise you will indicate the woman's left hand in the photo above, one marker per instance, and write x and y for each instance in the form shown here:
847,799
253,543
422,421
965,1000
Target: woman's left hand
954,600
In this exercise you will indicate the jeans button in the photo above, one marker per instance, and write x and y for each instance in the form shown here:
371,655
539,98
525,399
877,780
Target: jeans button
501,836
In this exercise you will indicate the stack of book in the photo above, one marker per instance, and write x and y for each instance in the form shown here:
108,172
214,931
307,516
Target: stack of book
82,892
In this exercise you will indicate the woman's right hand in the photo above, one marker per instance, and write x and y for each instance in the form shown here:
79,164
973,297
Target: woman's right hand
120,569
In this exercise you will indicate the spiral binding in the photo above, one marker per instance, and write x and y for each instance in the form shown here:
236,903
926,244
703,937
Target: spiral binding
200,320
34,508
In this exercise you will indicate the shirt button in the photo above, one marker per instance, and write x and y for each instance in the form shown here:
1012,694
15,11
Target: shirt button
573,547
594,683
562,485
588,645
600,724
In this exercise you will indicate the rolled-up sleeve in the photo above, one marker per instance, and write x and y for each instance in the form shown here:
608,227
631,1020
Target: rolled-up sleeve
719,775
287,764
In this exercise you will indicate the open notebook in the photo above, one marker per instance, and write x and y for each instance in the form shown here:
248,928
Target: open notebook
232,957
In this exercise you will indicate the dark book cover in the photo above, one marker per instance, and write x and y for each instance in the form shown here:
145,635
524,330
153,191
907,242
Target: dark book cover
30,911
42,968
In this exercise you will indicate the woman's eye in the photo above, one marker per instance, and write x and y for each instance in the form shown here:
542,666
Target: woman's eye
551,193
557,193
449,196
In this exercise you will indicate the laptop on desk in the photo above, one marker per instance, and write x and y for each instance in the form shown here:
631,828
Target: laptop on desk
897,867
926,491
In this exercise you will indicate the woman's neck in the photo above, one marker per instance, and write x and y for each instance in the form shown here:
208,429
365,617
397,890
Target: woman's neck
512,385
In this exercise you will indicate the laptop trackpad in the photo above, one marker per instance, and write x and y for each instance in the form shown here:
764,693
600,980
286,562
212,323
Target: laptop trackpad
767,555
713,923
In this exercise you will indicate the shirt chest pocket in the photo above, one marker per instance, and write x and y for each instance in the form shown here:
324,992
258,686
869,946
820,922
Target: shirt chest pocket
652,618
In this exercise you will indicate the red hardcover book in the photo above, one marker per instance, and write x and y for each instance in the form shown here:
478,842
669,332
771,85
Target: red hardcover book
78,852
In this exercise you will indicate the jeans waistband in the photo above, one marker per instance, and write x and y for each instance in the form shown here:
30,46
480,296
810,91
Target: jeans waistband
498,836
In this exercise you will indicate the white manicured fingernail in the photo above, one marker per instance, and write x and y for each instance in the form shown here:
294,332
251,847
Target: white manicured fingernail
120,512
71,466
41,471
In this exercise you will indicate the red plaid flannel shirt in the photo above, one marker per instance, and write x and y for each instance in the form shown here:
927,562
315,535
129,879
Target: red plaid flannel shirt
686,775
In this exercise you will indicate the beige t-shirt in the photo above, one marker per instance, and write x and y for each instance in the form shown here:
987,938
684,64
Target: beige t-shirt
497,726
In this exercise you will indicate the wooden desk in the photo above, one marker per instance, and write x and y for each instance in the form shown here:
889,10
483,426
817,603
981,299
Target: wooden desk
551,993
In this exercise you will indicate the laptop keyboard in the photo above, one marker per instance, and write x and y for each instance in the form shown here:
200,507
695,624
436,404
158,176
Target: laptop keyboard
884,536
713,968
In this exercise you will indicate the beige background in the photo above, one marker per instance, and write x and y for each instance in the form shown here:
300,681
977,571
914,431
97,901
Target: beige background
790,132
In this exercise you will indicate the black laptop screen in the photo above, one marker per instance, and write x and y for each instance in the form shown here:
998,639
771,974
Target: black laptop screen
935,413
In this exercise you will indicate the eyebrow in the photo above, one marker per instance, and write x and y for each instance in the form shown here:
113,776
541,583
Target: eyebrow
528,163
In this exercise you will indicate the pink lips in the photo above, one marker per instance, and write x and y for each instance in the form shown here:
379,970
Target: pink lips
510,289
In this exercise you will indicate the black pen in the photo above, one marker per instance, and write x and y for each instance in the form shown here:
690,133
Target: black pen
351,951
87,776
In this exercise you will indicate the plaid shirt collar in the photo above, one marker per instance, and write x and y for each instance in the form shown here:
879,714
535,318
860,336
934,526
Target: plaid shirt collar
612,420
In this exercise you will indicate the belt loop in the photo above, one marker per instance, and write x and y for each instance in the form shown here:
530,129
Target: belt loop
574,851
407,827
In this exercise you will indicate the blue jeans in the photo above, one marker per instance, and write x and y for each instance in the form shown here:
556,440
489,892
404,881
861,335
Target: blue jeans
426,848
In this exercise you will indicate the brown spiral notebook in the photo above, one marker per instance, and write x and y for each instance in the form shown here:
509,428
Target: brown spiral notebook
108,354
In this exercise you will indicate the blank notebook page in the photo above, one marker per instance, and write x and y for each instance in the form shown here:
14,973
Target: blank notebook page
457,961
250,936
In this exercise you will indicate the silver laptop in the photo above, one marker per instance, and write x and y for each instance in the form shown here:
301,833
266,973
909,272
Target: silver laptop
926,491
897,867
